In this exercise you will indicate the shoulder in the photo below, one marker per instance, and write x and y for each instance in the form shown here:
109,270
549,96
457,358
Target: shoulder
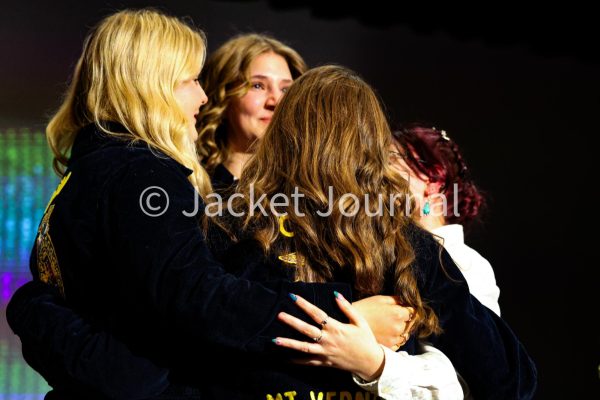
424,244
432,263
95,153
474,259
128,168
144,161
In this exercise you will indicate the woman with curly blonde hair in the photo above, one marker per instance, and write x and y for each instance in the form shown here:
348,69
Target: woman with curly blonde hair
244,80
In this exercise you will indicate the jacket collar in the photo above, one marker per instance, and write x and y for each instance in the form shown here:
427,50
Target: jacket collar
91,138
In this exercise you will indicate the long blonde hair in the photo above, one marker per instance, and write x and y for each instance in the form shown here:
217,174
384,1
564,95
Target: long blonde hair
224,78
329,131
128,70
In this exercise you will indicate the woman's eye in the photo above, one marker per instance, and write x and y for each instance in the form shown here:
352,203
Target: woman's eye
257,85
285,89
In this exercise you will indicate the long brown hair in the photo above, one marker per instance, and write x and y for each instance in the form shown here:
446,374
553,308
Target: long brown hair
330,131
224,78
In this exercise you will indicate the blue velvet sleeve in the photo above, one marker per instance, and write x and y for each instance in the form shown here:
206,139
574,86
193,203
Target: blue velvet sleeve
169,270
70,352
170,264
482,347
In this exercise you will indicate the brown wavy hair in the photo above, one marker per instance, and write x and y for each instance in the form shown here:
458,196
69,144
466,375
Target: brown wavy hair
225,77
331,132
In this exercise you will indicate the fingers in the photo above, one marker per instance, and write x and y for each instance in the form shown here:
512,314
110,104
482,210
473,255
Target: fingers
401,341
316,361
409,312
304,347
400,313
403,318
299,325
353,316
393,306
314,312
410,321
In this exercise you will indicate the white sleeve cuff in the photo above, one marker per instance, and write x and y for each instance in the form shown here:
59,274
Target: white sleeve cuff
429,375
369,386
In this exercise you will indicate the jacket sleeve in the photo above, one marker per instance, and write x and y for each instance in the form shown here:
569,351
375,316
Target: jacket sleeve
482,347
171,267
70,352
184,283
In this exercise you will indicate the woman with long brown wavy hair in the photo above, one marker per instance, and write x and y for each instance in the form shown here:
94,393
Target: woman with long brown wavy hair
339,153
345,218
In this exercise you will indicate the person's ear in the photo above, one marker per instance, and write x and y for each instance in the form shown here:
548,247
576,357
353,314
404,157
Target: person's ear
433,188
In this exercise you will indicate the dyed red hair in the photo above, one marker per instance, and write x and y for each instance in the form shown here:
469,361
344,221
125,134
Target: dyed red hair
430,152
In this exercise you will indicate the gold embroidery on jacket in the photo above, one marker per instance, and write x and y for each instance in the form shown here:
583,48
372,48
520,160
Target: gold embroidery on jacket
47,262
289,258
61,185
293,261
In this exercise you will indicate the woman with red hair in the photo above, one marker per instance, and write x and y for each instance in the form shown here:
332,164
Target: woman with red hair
447,198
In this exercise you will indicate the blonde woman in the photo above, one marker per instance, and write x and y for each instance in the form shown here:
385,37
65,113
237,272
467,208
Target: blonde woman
117,239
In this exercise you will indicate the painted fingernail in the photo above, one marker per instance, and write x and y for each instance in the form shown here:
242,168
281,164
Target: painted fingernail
337,294
293,297
276,341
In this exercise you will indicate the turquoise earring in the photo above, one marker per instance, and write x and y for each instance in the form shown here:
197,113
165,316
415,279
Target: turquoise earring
427,208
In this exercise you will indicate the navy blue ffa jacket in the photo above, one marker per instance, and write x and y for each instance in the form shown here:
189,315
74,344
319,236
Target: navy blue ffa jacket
142,272
106,362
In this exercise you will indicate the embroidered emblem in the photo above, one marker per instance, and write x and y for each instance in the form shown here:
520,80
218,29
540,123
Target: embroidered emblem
47,262
289,258
60,186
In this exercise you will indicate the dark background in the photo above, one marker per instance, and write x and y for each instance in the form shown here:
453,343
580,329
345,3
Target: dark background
518,90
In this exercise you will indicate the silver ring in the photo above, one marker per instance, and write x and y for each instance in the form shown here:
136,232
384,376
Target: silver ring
318,339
